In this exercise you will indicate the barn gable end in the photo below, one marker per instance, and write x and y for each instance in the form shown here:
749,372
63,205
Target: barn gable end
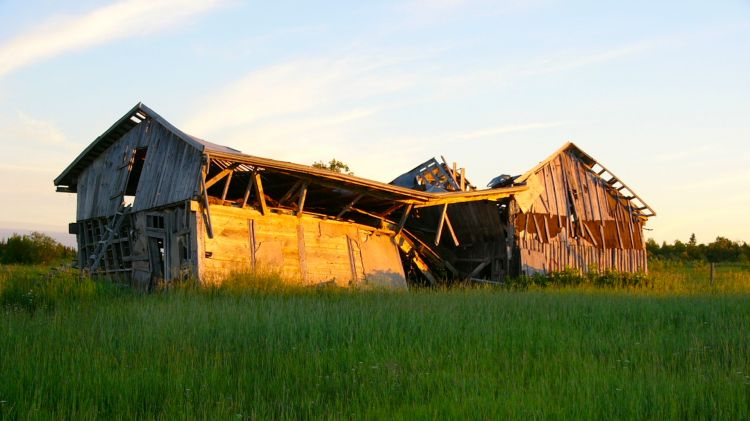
576,214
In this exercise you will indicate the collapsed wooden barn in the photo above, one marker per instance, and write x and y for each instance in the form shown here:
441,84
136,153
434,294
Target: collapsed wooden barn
154,203
574,213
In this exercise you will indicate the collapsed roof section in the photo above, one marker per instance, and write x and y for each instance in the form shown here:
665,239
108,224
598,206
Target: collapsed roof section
436,177
333,190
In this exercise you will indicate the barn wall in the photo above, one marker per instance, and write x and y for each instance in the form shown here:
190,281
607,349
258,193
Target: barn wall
149,246
170,172
570,218
308,250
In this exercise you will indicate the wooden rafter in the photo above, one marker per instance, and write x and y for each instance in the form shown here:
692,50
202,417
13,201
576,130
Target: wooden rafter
348,207
258,185
218,177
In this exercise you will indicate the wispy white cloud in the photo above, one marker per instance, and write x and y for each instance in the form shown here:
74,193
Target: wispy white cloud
568,61
300,88
119,20
499,130
29,130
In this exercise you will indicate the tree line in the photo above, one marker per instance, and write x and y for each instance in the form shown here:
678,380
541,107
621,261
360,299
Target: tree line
720,250
34,248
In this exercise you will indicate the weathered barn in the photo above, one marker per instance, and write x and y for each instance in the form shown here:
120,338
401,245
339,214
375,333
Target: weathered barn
154,203
574,213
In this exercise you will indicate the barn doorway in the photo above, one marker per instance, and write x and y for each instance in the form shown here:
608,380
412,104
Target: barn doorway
156,257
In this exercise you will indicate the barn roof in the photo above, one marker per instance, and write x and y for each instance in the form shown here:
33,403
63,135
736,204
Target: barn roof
141,112
616,186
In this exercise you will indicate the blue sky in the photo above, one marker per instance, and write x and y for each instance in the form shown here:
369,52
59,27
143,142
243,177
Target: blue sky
657,91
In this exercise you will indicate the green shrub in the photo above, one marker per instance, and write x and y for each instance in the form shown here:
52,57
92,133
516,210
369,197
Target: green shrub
573,278
34,248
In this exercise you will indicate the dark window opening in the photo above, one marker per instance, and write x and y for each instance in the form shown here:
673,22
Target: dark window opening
155,221
134,171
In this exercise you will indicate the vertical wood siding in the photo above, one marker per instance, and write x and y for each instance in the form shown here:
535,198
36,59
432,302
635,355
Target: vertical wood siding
577,222
169,175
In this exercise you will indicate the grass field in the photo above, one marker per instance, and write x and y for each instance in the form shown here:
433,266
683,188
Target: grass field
678,349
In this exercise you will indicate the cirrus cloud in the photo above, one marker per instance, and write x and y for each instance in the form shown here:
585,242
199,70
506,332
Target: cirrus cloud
116,21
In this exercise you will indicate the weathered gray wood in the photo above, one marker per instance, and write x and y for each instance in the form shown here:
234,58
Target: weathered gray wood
169,174
206,209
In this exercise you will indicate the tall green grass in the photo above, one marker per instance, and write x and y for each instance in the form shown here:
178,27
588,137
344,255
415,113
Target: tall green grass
257,350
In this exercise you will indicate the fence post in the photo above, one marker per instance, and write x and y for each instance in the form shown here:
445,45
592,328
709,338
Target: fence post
713,271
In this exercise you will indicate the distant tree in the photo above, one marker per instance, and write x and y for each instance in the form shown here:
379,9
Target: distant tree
34,248
333,165
694,252
723,250
653,249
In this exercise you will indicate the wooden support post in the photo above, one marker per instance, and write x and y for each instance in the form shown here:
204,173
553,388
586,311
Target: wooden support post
206,209
258,184
463,179
294,189
440,224
404,217
301,201
226,187
248,189
450,229
253,244
478,269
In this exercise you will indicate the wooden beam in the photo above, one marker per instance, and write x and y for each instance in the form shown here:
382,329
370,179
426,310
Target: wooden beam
392,209
478,269
258,183
294,189
348,207
226,187
301,201
225,172
450,229
370,214
440,224
404,217
463,179
207,209
410,249
248,189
